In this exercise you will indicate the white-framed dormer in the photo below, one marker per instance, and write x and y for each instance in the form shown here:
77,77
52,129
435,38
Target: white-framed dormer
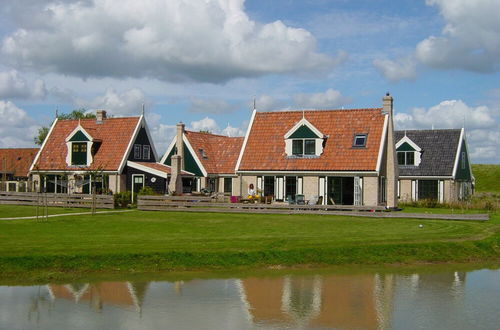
79,147
408,152
304,140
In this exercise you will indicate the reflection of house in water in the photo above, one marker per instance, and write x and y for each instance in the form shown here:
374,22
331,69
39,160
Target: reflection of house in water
319,302
105,293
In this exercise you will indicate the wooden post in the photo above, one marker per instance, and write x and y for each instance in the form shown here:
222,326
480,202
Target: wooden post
37,204
93,201
46,208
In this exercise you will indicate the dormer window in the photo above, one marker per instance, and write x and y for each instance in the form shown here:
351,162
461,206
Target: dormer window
79,144
359,141
408,152
303,140
146,152
137,151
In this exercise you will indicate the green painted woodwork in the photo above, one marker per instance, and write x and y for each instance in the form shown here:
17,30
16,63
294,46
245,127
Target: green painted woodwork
405,147
79,153
303,132
78,136
189,161
463,169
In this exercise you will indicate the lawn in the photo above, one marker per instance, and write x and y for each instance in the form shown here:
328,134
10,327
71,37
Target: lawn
146,241
487,178
11,211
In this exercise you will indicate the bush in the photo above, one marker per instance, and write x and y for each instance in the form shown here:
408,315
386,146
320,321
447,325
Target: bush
146,191
122,199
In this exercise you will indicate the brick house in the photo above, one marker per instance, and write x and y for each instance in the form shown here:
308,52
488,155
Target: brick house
210,157
109,154
344,156
433,164
14,168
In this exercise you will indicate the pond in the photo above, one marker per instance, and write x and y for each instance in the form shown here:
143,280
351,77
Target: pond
316,300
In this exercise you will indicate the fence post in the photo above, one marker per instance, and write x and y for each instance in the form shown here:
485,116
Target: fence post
93,201
37,204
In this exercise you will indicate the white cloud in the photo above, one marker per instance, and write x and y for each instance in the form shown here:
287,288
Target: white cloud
328,100
210,106
205,124
176,40
126,103
481,125
233,131
268,102
470,39
13,85
401,69
17,129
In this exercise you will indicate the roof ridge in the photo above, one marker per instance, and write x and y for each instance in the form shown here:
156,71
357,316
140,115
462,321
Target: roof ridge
212,134
319,110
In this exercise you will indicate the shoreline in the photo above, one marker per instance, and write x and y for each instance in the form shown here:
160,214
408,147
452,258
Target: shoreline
60,268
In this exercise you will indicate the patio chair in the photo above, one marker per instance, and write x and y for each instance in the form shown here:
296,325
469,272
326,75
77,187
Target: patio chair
300,200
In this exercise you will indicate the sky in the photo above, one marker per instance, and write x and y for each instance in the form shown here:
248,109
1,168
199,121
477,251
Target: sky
205,62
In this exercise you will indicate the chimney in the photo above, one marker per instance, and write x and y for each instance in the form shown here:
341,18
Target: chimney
391,168
100,116
179,143
387,104
175,184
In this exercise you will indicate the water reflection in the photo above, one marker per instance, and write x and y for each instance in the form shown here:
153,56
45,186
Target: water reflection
451,300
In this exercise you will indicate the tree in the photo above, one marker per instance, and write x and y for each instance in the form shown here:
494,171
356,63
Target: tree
75,114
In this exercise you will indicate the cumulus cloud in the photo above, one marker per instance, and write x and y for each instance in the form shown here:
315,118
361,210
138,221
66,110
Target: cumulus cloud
268,102
481,124
126,103
401,69
13,85
17,129
470,39
205,124
177,40
327,100
210,106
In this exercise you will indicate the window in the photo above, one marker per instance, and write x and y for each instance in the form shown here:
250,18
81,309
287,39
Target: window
202,153
137,151
309,147
228,185
297,147
359,141
290,188
428,189
463,160
146,151
269,186
406,157
303,147
79,153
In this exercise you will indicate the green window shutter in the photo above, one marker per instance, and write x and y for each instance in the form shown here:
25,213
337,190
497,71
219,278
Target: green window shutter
79,153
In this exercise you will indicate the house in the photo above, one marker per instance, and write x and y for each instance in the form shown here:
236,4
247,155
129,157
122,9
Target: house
210,157
14,168
433,164
337,156
108,154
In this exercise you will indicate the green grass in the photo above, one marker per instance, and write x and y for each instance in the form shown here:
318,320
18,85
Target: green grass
487,178
140,241
11,211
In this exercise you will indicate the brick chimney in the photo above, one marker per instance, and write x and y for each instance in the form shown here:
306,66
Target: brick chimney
100,116
392,173
175,184
179,143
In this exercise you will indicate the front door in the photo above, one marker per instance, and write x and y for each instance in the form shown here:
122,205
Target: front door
137,183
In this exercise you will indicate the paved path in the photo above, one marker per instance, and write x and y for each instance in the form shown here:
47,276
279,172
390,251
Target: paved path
63,214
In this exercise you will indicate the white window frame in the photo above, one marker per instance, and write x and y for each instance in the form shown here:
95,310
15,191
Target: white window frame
146,155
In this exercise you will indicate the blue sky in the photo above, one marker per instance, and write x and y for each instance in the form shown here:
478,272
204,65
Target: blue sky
203,62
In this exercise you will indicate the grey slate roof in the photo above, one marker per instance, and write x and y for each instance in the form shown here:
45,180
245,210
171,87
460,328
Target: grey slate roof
439,149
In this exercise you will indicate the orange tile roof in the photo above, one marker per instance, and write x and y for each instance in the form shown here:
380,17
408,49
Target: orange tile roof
113,133
265,148
221,152
17,160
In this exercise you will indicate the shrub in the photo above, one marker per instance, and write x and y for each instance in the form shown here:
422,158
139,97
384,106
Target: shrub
122,199
146,191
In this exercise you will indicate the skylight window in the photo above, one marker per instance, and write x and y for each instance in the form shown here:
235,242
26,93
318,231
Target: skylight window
359,141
